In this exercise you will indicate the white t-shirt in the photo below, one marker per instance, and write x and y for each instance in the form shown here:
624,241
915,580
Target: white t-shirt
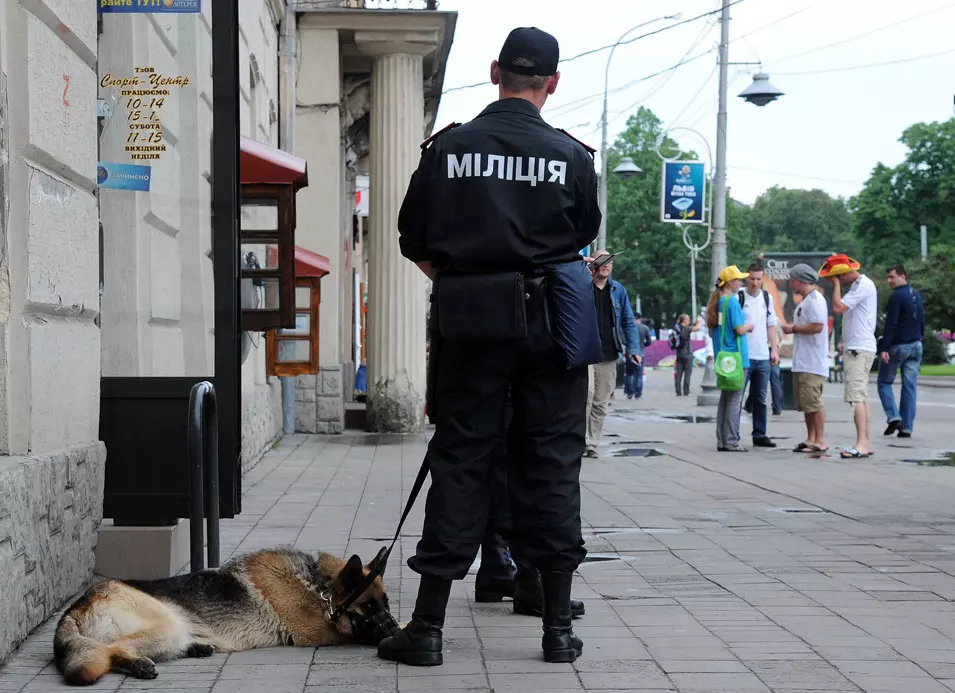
858,323
754,307
811,351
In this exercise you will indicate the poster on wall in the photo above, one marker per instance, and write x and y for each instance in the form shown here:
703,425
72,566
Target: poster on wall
123,176
776,284
141,96
683,198
148,6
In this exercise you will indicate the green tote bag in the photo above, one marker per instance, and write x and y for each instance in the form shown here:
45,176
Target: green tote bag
729,364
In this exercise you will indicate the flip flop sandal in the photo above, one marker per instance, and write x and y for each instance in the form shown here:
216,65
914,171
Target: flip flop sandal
816,448
802,447
851,453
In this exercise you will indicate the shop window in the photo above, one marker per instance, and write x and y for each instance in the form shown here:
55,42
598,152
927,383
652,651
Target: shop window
291,351
269,180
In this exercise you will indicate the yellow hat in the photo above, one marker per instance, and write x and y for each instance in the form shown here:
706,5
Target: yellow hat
729,274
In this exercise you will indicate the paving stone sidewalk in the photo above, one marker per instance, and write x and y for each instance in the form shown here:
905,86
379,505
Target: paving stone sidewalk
707,572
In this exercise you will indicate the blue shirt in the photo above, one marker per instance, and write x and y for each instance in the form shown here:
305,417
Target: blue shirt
904,318
736,318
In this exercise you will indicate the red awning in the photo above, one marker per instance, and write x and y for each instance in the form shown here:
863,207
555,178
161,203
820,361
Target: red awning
309,264
260,163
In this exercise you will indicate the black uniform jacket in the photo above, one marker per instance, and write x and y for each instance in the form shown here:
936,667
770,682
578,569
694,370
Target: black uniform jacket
504,192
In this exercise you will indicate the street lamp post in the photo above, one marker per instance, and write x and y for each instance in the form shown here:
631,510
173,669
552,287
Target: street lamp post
707,208
719,177
708,396
759,93
602,233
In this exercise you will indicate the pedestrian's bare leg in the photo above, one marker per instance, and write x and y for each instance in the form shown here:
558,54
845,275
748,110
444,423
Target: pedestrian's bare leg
819,428
810,429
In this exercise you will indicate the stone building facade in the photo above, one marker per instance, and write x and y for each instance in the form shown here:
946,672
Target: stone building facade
368,90
98,281
51,460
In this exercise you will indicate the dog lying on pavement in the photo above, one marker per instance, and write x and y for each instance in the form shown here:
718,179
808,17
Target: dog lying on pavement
261,599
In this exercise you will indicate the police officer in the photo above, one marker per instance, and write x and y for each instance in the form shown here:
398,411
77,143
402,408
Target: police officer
496,215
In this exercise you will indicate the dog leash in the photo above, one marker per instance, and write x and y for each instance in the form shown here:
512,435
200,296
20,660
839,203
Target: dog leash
377,566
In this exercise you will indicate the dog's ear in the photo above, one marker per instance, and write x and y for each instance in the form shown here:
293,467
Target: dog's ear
351,575
381,560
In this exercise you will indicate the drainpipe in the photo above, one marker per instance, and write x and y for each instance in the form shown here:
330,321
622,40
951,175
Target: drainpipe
288,70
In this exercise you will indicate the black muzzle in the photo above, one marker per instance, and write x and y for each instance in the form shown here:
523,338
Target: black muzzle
373,624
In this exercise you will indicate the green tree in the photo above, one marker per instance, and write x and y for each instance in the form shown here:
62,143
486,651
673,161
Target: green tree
654,264
935,280
741,247
895,202
785,219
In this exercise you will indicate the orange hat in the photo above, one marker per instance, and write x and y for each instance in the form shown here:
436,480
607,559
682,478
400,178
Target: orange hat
838,264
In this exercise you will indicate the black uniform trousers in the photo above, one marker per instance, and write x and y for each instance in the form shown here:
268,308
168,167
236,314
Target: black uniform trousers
545,442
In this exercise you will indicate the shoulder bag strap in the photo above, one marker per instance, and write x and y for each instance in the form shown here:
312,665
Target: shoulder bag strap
723,324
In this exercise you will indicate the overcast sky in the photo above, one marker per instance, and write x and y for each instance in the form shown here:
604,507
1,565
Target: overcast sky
829,129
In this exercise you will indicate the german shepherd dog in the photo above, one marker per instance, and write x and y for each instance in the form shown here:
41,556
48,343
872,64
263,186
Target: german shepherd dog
263,599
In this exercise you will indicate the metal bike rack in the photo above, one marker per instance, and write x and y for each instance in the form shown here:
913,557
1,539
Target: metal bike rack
203,446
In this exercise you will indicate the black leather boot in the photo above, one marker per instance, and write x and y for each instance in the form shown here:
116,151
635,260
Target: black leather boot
559,642
495,577
529,596
419,643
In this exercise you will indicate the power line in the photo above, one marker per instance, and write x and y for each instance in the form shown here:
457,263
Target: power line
603,48
869,65
772,23
863,34
587,100
668,77
697,94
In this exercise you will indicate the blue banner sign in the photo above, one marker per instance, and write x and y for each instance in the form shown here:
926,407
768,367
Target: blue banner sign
148,6
123,176
684,192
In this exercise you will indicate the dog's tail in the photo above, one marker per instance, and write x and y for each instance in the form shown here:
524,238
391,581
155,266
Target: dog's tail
80,659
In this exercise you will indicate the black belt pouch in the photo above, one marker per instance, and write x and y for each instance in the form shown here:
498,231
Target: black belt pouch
481,307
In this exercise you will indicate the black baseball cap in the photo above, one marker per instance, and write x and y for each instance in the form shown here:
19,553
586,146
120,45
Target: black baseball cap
533,45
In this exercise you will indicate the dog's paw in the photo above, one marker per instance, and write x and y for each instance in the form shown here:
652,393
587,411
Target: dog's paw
144,668
200,650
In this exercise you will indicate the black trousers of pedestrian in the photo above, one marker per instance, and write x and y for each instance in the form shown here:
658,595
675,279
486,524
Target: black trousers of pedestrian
684,368
545,440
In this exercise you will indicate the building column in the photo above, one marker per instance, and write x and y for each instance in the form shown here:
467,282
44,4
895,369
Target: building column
396,296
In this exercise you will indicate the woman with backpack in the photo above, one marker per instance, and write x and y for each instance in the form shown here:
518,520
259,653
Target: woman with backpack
727,324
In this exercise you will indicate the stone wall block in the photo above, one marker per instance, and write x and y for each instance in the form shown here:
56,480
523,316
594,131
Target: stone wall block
63,247
306,382
261,421
62,104
46,541
329,408
305,418
60,353
331,381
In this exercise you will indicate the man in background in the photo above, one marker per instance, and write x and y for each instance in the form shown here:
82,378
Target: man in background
859,308
633,371
901,348
684,352
810,355
763,350
618,335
